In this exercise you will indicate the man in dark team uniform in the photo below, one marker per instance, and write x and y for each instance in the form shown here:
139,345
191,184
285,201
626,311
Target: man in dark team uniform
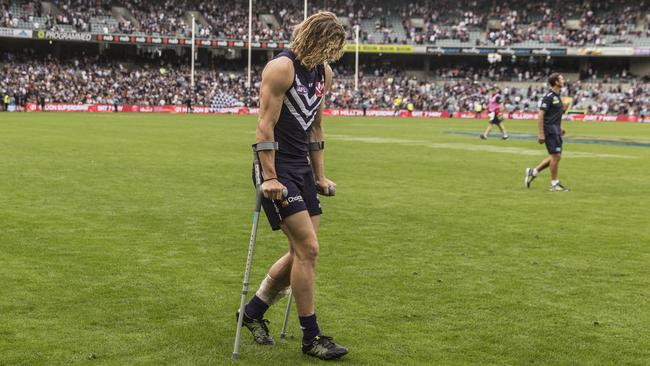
41,101
290,150
550,132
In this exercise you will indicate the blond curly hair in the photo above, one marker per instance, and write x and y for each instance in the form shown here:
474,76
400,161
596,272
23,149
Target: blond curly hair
319,39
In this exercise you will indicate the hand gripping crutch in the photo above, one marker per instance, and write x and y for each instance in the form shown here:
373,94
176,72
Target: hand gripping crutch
257,171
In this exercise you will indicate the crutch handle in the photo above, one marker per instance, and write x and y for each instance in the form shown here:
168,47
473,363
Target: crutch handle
285,192
331,191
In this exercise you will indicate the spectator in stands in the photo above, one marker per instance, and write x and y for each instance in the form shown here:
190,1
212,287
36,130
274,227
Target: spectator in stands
188,104
41,101
5,102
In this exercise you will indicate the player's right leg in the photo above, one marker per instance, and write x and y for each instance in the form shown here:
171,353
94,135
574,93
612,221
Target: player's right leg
554,146
555,165
556,186
273,288
275,284
300,231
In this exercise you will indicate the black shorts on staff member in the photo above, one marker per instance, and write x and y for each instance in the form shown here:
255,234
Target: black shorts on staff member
495,118
553,143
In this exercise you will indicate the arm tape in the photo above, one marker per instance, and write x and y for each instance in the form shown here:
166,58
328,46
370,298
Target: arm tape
316,146
265,146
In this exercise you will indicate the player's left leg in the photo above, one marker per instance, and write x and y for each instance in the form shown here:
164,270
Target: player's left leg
281,270
303,273
278,279
532,173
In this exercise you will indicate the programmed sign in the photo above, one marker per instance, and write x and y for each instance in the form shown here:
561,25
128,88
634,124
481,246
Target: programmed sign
65,36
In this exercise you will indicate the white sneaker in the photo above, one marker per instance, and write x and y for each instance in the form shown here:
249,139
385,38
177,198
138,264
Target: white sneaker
559,188
529,177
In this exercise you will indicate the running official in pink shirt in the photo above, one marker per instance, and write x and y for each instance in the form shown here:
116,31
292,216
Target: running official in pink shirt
495,116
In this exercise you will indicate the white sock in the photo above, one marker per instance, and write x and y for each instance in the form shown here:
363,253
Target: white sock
554,182
535,172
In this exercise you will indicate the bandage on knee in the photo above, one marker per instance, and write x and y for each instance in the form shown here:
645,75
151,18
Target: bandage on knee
271,291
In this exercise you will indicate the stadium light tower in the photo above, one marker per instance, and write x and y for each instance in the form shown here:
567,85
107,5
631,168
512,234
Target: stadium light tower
193,50
250,40
305,10
356,57
250,36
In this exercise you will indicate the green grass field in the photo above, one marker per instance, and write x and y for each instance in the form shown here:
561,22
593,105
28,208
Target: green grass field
123,241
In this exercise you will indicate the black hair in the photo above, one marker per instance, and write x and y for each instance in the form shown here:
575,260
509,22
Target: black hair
553,79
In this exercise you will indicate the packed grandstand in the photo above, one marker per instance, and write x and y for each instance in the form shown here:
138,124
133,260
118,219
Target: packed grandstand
602,46
507,22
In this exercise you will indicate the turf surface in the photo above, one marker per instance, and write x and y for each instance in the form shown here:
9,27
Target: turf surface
123,240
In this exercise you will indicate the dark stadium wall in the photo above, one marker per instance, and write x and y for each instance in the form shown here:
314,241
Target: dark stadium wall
430,64
42,48
641,67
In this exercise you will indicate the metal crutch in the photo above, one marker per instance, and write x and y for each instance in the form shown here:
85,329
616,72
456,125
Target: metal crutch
283,332
251,246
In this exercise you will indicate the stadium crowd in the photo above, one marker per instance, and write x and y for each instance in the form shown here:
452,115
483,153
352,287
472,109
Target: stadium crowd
548,21
93,80
157,18
76,13
446,19
233,22
425,22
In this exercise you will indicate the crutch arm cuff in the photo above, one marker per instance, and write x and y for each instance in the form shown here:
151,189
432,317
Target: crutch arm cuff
265,146
317,146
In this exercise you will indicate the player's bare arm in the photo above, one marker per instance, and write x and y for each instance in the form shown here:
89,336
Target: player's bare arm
277,77
316,136
565,104
540,127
